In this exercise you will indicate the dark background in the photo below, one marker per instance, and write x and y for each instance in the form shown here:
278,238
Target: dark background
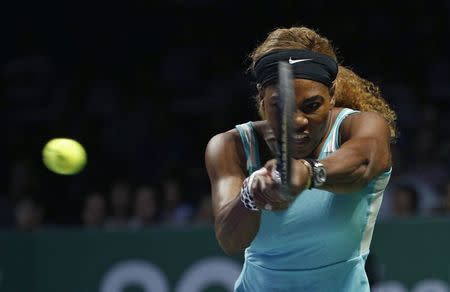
143,85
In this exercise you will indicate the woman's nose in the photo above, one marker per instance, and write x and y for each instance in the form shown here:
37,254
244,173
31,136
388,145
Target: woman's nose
300,121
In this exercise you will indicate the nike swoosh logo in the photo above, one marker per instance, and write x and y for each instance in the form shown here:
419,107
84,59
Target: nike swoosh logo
298,60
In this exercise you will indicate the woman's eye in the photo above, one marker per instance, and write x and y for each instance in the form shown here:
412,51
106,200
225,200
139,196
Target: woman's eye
311,107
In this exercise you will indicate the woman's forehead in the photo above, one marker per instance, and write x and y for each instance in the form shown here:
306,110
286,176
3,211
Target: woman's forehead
303,88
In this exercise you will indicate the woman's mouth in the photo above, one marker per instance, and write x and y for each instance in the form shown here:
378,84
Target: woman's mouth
301,139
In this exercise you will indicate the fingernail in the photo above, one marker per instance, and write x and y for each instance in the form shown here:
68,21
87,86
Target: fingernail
268,207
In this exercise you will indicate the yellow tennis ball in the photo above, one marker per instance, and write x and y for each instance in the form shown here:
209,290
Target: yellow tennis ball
64,156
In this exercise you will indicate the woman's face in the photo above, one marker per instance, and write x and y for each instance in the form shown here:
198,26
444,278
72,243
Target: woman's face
313,105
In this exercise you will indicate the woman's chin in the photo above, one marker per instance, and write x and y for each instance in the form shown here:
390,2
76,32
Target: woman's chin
302,152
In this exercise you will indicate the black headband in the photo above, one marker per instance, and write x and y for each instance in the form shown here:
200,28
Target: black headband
305,64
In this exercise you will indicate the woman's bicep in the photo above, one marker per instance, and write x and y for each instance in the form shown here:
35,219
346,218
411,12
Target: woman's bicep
363,155
369,137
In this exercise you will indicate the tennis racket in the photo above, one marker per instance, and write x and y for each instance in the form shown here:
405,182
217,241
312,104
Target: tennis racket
285,125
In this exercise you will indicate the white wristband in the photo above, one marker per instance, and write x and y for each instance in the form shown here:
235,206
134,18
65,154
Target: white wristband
246,191
246,197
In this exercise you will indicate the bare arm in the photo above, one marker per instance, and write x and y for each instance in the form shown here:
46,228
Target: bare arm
364,154
235,226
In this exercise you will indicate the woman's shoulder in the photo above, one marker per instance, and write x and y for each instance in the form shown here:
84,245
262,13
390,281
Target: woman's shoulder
224,139
225,146
362,118
363,122
262,129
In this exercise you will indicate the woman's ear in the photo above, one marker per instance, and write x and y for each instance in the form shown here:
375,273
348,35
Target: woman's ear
261,108
332,97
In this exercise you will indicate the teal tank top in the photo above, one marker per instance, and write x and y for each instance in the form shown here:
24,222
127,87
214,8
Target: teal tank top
321,242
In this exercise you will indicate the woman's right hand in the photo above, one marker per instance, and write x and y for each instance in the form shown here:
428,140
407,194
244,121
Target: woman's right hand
266,189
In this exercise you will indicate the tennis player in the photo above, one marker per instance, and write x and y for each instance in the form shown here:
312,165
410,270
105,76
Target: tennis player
318,238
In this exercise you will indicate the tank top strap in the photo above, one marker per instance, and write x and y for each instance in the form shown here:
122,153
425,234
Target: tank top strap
250,145
332,142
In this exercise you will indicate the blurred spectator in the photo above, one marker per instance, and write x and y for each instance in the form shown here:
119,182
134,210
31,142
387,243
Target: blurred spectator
423,145
94,211
204,214
22,180
174,212
28,215
444,208
120,205
427,196
405,201
145,208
